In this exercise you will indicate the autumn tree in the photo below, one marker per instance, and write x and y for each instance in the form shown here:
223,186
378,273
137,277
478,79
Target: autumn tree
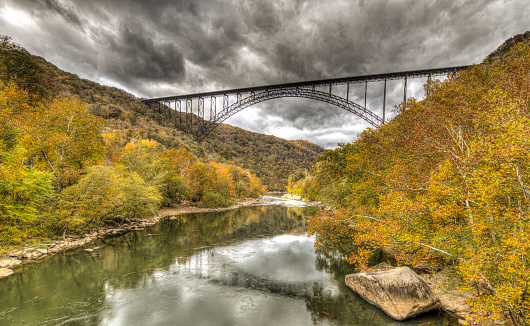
103,193
24,190
142,156
62,137
445,182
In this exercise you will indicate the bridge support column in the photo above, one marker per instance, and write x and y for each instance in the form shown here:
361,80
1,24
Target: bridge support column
213,108
429,81
225,102
189,108
177,105
365,91
405,95
200,114
384,102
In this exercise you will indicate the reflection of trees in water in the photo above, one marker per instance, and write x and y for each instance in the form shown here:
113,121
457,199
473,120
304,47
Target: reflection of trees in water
346,307
128,260
258,283
186,235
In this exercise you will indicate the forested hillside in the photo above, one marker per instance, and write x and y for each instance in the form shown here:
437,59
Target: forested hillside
271,158
76,155
447,182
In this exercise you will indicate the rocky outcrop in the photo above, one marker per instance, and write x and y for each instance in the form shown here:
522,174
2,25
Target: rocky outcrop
4,272
9,262
453,300
399,292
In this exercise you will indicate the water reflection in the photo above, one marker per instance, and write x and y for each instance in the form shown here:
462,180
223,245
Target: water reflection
254,265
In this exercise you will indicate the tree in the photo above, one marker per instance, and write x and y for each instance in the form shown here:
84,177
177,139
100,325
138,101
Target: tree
445,182
62,137
142,156
23,193
103,193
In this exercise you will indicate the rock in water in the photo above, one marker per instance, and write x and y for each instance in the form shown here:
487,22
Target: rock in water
4,272
399,292
9,262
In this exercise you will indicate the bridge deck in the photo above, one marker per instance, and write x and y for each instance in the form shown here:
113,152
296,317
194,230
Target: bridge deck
318,83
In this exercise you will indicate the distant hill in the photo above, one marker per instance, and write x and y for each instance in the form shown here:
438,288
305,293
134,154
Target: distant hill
505,47
269,157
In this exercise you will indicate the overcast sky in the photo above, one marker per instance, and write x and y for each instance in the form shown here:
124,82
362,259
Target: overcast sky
169,47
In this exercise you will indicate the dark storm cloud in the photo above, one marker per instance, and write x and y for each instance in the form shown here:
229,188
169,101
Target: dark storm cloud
133,56
167,47
64,10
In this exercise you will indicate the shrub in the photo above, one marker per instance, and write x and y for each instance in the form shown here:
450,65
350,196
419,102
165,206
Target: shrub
215,199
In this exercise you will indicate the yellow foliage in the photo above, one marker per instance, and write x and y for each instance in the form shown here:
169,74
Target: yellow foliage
447,181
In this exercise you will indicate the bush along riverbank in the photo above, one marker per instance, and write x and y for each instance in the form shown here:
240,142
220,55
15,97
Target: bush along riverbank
446,183
24,255
74,154
61,174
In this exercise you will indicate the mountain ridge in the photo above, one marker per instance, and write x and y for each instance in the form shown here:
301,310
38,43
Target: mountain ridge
269,157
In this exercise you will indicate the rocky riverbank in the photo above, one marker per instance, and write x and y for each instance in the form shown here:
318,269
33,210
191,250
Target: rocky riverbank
27,255
388,292
299,198
402,293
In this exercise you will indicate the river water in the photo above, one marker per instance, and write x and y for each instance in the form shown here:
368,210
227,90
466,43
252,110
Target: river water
249,266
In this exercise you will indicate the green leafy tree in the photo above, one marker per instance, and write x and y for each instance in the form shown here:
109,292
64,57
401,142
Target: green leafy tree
23,193
62,137
103,193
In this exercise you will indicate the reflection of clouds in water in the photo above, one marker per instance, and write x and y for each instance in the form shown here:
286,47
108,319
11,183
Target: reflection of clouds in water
198,301
258,280
285,258
284,202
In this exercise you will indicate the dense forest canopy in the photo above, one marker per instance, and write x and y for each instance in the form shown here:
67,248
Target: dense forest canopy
75,155
447,182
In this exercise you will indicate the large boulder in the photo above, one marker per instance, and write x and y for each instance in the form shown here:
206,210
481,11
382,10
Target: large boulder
5,272
452,299
399,292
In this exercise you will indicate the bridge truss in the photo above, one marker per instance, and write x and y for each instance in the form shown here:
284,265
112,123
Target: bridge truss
180,109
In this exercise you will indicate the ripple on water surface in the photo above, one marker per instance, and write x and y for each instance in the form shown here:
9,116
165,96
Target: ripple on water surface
250,266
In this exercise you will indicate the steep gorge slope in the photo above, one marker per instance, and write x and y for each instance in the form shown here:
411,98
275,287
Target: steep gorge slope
269,157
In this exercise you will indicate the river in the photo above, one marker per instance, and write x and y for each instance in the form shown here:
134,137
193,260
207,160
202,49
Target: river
249,266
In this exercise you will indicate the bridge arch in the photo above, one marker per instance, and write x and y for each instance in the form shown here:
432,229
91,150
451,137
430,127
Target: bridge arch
262,96
246,97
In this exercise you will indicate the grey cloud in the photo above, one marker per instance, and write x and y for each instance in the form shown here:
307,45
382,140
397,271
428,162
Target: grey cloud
132,54
304,113
64,10
166,47
46,10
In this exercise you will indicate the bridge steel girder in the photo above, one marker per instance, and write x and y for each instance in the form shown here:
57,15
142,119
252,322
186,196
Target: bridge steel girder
246,97
308,93
320,83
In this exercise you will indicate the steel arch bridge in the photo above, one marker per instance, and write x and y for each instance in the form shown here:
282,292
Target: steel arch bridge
180,109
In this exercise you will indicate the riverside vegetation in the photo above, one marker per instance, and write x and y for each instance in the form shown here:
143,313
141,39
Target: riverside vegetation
71,161
447,182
